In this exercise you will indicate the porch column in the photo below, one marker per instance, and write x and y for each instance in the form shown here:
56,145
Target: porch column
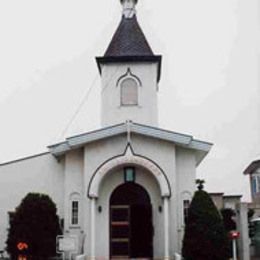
93,229
166,227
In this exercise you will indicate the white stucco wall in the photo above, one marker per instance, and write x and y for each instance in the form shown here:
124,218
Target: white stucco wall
74,190
73,185
41,174
186,177
146,112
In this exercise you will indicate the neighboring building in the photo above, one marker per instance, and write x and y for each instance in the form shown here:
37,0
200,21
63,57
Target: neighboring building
253,170
217,198
123,189
230,201
225,201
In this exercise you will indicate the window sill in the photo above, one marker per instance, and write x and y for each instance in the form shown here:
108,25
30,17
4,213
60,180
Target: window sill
127,106
74,227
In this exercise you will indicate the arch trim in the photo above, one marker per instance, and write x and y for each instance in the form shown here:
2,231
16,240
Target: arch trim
129,158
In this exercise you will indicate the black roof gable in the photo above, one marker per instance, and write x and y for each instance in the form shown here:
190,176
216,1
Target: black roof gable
128,40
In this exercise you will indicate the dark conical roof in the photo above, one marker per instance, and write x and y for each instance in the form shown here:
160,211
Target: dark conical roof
129,45
128,40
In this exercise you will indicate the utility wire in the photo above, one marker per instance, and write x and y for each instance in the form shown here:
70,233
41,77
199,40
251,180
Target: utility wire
85,99
110,79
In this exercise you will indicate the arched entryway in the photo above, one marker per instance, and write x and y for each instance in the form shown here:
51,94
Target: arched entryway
131,229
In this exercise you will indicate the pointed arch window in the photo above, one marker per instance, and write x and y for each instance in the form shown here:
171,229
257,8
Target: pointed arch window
129,92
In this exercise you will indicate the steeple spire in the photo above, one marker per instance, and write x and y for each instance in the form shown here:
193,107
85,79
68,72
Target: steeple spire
129,39
128,8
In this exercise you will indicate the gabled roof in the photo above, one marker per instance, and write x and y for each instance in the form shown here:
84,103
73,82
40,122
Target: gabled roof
252,167
182,140
128,40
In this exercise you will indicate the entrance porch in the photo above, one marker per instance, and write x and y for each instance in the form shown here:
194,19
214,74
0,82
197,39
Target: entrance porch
129,217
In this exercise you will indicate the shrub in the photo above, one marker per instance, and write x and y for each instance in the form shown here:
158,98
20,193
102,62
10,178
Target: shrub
34,223
229,224
205,236
227,215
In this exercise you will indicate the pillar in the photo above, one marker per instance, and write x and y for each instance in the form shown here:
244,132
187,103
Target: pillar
93,229
166,227
242,226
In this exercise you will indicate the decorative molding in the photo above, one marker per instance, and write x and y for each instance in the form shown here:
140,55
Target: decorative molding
186,195
74,195
128,158
128,74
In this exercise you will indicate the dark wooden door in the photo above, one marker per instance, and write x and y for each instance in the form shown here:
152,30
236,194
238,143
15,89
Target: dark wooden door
131,229
141,231
120,231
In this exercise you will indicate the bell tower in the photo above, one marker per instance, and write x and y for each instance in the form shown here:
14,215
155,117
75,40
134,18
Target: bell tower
130,73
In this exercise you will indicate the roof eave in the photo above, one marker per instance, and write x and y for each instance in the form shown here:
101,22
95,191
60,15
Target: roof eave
252,167
201,148
118,59
233,196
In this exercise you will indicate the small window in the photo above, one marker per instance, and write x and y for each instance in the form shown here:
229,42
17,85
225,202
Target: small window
129,92
74,212
255,184
186,205
74,209
258,183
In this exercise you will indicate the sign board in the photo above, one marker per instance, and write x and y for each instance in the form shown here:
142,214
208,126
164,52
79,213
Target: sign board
22,246
67,244
234,234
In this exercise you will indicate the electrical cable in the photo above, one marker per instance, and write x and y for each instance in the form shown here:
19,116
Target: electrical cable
85,99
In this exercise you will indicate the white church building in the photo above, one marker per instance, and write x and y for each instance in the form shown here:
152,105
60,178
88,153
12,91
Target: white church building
123,189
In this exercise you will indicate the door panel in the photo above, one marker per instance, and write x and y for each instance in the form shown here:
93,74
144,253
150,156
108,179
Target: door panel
119,231
141,231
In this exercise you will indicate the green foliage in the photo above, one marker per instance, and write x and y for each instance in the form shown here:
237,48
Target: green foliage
250,214
229,224
205,237
227,216
35,222
251,225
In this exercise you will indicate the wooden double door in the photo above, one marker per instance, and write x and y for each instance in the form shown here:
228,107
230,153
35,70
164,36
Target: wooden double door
131,229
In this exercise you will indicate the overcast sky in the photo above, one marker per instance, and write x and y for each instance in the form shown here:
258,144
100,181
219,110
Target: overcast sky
209,86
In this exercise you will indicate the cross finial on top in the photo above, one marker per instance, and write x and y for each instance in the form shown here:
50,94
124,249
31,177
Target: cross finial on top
128,8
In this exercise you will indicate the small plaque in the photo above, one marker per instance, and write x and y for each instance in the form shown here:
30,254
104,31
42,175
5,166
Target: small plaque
67,244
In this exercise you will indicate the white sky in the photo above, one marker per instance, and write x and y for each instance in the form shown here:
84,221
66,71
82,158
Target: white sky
209,86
